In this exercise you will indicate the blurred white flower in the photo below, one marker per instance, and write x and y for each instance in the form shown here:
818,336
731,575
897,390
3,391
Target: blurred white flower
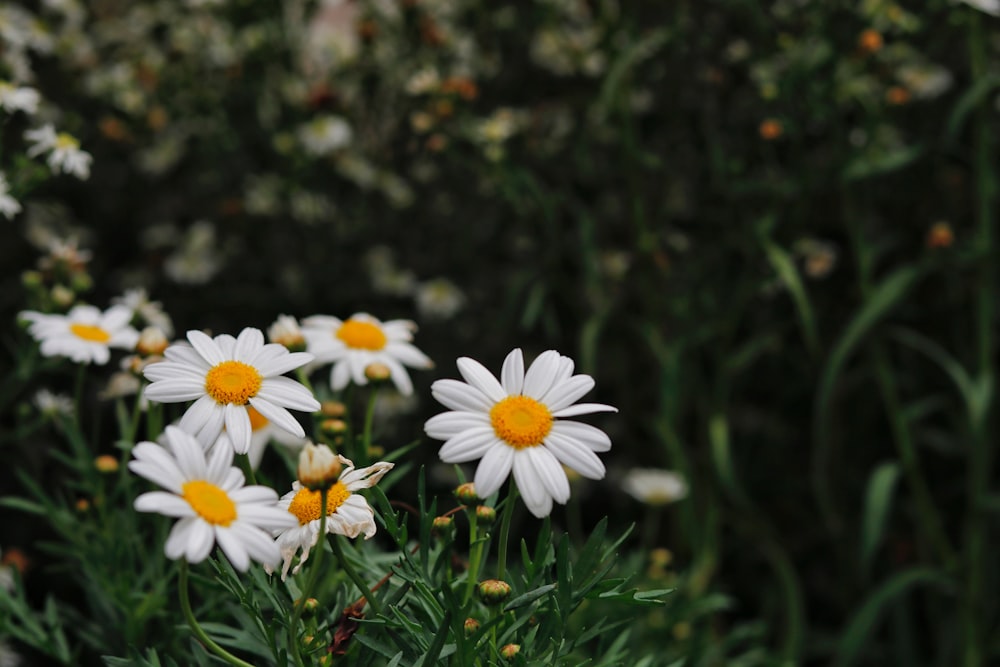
438,299
151,312
654,486
196,261
991,7
51,404
286,331
324,135
85,334
18,98
925,81
63,149
9,207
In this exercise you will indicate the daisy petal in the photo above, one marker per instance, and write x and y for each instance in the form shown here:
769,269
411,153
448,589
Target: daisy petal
477,375
575,455
238,427
592,437
205,347
281,417
447,424
460,396
549,472
583,409
541,374
566,393
529,483
232,547
468,445
493,470
512,373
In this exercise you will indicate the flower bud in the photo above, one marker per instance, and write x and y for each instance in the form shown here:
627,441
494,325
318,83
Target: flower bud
32,279
309,606
471,626
334,409
508,651
466,494
81,282
319,467
494,591
332,429
82,505
106,463
62,296
377,372
486,515
285,331
443,526
152,341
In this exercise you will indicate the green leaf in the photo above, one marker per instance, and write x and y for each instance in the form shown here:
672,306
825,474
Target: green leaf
784,266
969,100
635,597
529,597
23,504
864,622
865,166
878,502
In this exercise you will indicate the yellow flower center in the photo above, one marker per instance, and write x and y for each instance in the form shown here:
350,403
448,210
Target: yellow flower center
66,141
361,335
521,421
232,382
305,504
257,420
210,502
90,332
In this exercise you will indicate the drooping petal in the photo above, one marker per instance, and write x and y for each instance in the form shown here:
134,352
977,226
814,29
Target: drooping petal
550,473
575,455
238,427
278,415
530,484
233,547
493,470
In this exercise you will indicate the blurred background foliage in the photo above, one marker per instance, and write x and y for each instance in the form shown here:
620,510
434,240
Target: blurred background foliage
766,228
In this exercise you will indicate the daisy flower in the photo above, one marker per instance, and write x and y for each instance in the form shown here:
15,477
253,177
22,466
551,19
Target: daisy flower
347,513
225,377
360,341
63,149
262,431
84,334
18,98
9,207
654,486
517,424
211,501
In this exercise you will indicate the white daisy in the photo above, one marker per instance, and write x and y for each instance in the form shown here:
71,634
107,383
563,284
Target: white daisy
347,513
654,486
325,135
18,98
151,312
262,431
9,207
360,341
211,501
517,424
225,376
85,334
63,149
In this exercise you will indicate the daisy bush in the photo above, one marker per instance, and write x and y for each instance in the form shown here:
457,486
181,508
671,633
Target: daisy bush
566,332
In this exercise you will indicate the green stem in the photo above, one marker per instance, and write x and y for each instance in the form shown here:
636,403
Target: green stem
475,556
508,511
366,435
980,457
197,629
315,570
243,461
346,565
78,385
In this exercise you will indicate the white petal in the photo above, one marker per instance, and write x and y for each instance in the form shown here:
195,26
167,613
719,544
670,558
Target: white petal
232,547
340,375
163,503
205,347
460,396
583,409
199,414
512,373
201,538
187,452
575,455
564,394
549,471
182,353
399,376
281,365
248,344
174,391
238,427
594,438
447,424
288,393
529,483
493,470
278,415
220,459
541,374
258,544
468,445
179,537
477,375
227,344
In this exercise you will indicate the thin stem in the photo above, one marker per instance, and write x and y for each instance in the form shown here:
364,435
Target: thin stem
475,556
243,460
78,385
315,569
366,435
197,629
508,511
346,565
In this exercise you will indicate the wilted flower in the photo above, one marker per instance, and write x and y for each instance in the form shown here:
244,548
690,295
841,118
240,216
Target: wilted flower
347,512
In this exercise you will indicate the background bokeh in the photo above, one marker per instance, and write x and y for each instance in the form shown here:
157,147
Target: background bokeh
765,228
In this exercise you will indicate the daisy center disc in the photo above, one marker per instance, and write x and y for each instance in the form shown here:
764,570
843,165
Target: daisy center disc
521,421
90,333
232,382
257,420
361,335
305,503
210,502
